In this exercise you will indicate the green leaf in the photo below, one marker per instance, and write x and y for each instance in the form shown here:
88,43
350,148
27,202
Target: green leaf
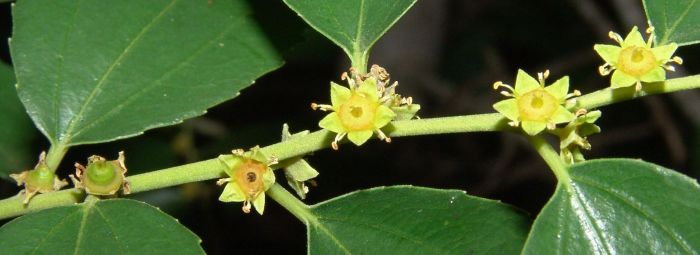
619,206
412,220
354,25
16,131
674,20
115,226
93,71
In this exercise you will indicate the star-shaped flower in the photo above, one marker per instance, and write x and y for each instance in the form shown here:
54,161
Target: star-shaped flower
535,106
356,112
636,61
250,176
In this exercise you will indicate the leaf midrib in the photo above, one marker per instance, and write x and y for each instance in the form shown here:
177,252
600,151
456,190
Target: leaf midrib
673,27
73,122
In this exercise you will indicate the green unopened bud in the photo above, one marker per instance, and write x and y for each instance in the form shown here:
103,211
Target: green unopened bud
101,177
40,179
299,171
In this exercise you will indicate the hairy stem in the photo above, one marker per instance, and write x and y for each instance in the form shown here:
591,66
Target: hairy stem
210,169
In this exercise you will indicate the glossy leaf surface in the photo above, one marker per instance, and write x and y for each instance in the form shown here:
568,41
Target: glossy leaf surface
93,71
16,130
620,206
115,226
674,20
412,220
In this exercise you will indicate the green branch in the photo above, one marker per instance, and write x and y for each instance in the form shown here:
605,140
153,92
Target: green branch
210,169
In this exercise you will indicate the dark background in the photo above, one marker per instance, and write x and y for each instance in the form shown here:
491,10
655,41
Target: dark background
445,54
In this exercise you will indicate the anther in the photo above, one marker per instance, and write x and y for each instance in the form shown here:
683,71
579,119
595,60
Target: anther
678,60
513,124
551,126
581,112
238,152
506,93
273,161
615,36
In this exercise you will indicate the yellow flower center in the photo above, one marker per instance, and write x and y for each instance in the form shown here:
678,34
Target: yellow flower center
537,105
249,178
636,61
358,112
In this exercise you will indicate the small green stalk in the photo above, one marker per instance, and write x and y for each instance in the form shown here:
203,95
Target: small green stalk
291,203
551,157
55,156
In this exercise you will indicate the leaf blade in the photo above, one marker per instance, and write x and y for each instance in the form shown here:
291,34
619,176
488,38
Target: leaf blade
16,131
616,206
381,221
92,81
674,21
123,225
353,25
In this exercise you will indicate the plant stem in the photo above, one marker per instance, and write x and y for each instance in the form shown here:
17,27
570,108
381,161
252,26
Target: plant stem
291,203
210,169
55,156
359,61
551,157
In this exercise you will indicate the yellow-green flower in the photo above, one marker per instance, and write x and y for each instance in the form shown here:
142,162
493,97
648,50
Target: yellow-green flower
356,112
534,106
38,180
250,176
636,61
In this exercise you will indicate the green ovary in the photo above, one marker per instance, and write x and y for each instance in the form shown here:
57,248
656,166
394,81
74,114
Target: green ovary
536,105
636,61
101,173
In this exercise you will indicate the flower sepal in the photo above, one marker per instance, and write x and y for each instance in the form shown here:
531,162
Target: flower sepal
298,172
38,180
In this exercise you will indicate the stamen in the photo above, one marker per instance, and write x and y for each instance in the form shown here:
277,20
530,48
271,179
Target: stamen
574,94
322,107
407,100
551,125
513,123
344,76
638,87
615,36
605,69
678,60
542,76
383,136
337,139
273,161
500,84
506,93
238,152
581,112
669,68
246,206
223,181
650,30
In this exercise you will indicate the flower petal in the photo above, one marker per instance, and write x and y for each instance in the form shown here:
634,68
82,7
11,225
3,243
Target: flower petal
656,74
268,178
369,88
339,94
533,127
559,88
525,83
664,53
229,162
634,38
620,79
332,122
299,171
383,116
508,108
562,115
259,203
609,53
257,155
360,137
232,193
